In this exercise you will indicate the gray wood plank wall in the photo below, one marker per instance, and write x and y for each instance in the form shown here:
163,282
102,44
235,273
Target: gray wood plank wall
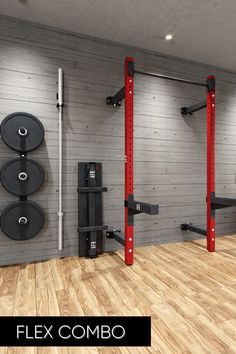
170,150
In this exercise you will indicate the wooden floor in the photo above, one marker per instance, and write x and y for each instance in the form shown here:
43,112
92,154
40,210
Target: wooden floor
190,294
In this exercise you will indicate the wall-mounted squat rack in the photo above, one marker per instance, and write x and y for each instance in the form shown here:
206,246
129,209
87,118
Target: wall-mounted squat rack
213,202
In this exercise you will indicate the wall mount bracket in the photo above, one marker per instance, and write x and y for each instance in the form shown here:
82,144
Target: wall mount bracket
194,108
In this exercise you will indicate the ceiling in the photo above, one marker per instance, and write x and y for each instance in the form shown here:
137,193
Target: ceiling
204,30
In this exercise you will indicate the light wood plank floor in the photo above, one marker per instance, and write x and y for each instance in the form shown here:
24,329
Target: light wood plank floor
190,294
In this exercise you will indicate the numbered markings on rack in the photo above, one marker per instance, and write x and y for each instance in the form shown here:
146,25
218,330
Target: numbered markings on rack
22,176
22,220
22,132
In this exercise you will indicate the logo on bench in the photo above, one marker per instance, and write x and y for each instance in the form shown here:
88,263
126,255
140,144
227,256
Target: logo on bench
92,174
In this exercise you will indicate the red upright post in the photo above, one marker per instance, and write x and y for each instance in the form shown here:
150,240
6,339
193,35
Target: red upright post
129,159
210,162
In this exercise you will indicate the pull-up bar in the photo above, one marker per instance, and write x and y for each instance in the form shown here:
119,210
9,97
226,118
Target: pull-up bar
120,95
172,78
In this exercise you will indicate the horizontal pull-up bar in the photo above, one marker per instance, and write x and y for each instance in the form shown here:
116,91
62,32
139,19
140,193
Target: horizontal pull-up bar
172,78
120,95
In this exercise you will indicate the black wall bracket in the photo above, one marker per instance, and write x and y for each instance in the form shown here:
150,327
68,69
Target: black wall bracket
137,207
220,203
134,207
194,108
116,234
117,98
120,95
216,203
191,227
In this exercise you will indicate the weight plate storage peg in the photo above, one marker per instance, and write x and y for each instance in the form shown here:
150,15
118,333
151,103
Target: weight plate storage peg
22,132
22,220
22,176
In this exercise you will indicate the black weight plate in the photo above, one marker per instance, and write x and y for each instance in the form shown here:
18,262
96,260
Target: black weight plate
22,220
22,176
22,132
